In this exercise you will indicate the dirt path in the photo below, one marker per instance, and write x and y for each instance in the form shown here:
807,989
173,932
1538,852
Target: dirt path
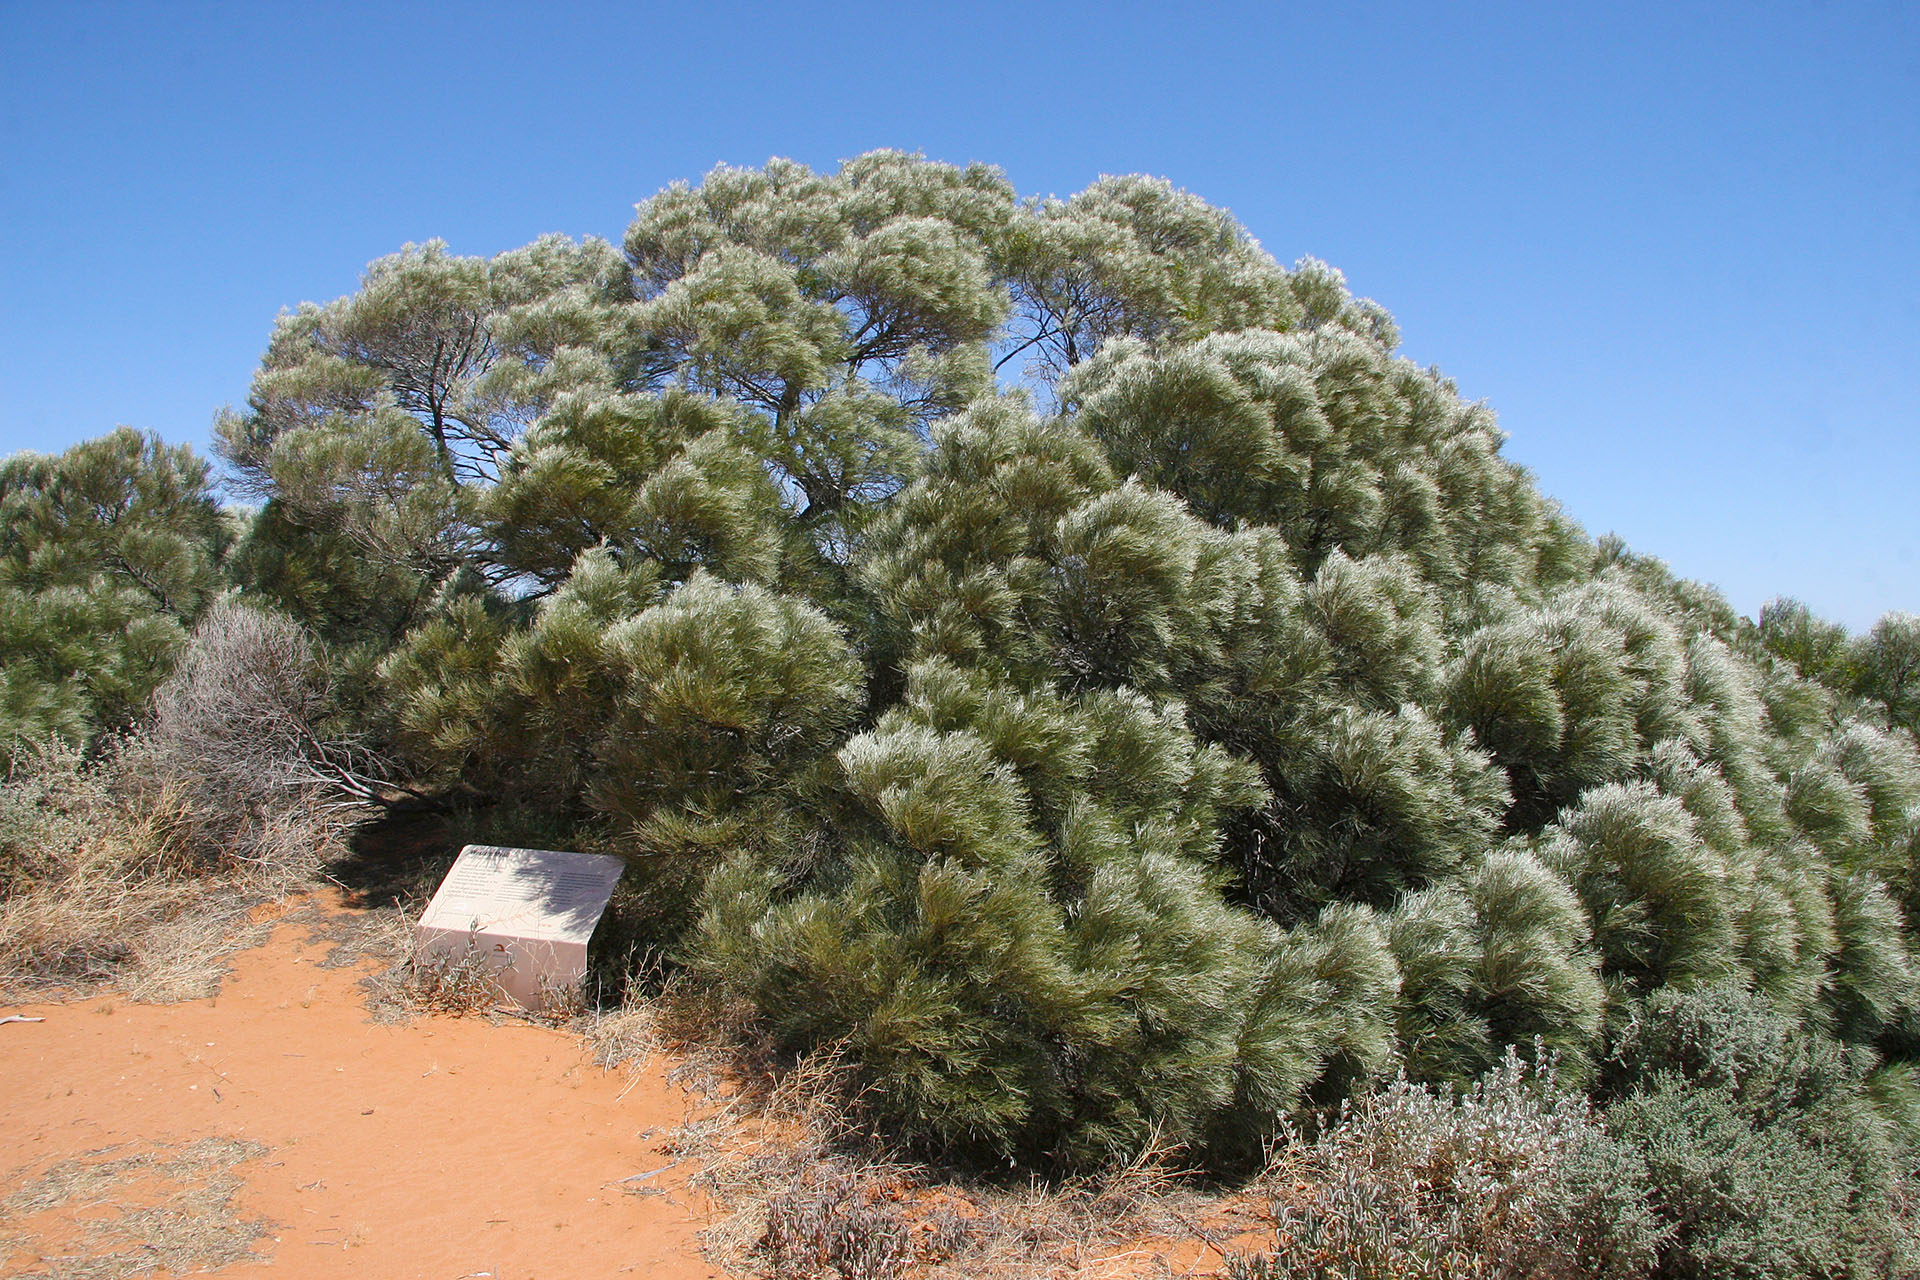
279,1123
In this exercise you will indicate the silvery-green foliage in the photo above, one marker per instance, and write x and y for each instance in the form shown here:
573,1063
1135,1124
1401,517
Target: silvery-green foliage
1881,667
1017,931
1769,1150
1884,767
1371,803
1748,1198
1513,1178
1724,1035
1324,436
1871,983
1819,649
1655,890
722,689
1057,654
1382,628
1574,692
845,310
557,679
659,479
1797,711
1889,663
958,566
1855,792
622,698
1132,257
1731,719
442,684
1497,955
423,338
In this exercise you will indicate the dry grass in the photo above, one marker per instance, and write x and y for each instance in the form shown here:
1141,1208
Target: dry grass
796,1204
628,1035
463,985
106,884
169,1208
138,865
800,1190
378,933
160,940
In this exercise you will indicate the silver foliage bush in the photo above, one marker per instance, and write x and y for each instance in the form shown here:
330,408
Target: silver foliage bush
236,748
1516,1177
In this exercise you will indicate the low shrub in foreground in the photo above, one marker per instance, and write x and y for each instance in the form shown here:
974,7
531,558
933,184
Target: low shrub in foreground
1739,1148
1513,1178
1749,1199
1769,1150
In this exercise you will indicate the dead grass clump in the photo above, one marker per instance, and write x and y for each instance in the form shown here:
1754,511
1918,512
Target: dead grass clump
627,1035
454,984
805,1193
801,1212
836,1222
461,984
416,983
171,1209
104,889
237,750
377,933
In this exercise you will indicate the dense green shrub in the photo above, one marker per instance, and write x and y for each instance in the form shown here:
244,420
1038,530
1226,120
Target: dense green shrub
1015,929
108,554
1497,956
1801,1194
1770,1150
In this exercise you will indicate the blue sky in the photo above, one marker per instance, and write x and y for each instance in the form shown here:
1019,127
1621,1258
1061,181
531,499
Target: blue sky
1676,247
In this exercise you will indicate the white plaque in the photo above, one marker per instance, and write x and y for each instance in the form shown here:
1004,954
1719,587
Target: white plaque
527,912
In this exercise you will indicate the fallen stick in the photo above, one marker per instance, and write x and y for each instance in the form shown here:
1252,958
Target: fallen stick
636,1177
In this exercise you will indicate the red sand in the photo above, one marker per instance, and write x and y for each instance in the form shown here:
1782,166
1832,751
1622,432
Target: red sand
442,1148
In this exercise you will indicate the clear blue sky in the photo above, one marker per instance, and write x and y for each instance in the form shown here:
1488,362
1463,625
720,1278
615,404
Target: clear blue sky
1677,247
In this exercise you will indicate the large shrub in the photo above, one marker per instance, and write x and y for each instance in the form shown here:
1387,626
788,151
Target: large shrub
1062,659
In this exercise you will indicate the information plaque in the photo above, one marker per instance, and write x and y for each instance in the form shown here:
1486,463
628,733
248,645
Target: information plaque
528,913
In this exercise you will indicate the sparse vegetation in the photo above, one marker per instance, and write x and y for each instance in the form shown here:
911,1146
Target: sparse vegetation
190,1226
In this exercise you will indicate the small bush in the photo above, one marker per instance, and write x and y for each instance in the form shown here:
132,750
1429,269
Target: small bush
45,805
1513,1178
835,1223
1725,1036
1757,1200
1766,1153
238,742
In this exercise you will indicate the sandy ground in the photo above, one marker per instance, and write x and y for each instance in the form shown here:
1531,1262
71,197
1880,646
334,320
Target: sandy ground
280,1121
